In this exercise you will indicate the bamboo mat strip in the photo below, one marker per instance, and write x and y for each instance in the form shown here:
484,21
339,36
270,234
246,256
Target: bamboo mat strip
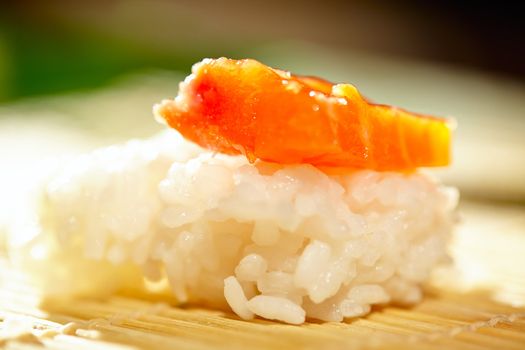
457,321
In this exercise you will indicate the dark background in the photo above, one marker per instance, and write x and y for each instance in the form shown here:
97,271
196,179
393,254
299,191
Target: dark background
49,47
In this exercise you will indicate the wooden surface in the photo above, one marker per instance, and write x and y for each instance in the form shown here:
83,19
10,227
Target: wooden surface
456,321
467,308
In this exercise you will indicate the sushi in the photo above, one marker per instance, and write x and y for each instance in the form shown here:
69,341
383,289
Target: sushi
283,197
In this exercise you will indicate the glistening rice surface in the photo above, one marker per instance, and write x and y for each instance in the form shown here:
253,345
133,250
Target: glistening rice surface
291,241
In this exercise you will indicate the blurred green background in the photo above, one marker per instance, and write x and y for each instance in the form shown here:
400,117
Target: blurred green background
96,67
54,46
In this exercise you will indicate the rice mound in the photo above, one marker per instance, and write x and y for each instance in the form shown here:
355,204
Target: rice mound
280,242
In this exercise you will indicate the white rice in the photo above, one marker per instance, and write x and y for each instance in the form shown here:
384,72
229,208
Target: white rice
280,242
236,299
277,308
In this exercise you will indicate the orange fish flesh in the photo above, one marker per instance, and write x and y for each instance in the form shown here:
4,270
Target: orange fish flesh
243,106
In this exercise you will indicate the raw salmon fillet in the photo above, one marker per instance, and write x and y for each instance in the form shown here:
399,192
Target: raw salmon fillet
243,106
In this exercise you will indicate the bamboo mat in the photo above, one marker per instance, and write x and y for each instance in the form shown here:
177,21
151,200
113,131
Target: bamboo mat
479,305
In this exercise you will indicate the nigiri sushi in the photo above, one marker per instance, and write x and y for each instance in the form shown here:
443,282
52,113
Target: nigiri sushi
276,196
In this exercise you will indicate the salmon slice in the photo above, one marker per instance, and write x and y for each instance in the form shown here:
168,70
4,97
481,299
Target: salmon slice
243,106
